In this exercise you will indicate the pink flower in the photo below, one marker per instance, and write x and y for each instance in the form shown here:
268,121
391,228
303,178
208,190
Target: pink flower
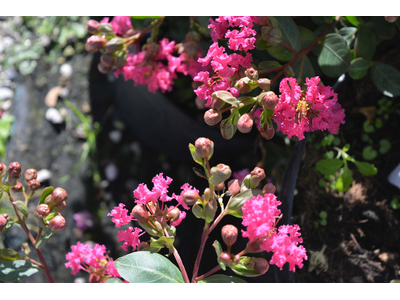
120,215
159,191
120,24
130,238
178,198
182,215
260,215
298,111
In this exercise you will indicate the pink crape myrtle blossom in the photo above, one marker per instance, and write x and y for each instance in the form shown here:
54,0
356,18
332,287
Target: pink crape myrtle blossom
130,238
160,189
120,215
303,111
178,198
260,215
92,260
120,24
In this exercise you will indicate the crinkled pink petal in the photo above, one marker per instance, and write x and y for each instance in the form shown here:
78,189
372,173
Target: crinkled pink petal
120,215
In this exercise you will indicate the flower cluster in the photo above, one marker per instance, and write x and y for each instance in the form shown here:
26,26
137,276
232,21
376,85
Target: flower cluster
226,66
260,215
120,24
301,111
94,260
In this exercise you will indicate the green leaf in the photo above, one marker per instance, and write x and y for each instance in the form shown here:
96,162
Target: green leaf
308,70
327,140
386,78
261,44
323,222
369,153
365,168
280,53
348,33
368,127
378,123
9,255
323,214
226,97
322,19
246,266
290,31
334,58
356,21
307,36
268,64
21,207
44,237
365,44
218,251
344,180
235,204
194,154
113,280
329,166
162,242
221,278
384,146
11,271
47,191
395,203
359,68
322,182
198,211
147,267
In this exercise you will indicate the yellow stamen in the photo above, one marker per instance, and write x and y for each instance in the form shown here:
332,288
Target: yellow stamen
302,105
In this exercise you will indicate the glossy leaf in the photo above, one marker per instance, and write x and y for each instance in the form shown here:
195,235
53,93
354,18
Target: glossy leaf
221,278
113,280
290,31
147,267
322,19
9,255
329,166
226,97
334,58
308,70
21,207
218,251
383,28
235,205
365,44
307,36
44,237
348,33
365,168
11,271
386,78
47,191
280,53
344,180
359,68
194,154
246,266
356,21
268,64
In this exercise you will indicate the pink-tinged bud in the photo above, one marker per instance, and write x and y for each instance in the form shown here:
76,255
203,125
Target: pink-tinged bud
225,258
59,207
174,214
207,195
204,147
140,213
227,129
94,278
17,187
251,73
47,200
30,174
257,175
102,68
267,131
107,60
219,187
58,195
95,43
91,26
269,100
34,185
115,44
272,35
254,246
391,19
269,188
217,104
242,86
3,222
245,123
189,197
57,223
3,170
264,84
234,186
262,21
261,265
212,117
220,173
143,246
229,234
43,210
105,28
14,170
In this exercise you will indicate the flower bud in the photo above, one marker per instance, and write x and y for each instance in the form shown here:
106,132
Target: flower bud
140,213
269,100
189,197
234,186
219,187
262,21
3,170
207,195
225,258
204,147
242,86
47,200
43,210
107,60
227,129
3,222
220,173
105,28
102,68
17,187
251,73
30,174
267,131
57,223
174,214
58,195
391,19
91,26
210,210
229,234
95,43
143,246
115,44
212,116
261,265
34,185
274,37
269,188
254,246
217,103
94,278
14,170
264,83
59,207
245,123
257,175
